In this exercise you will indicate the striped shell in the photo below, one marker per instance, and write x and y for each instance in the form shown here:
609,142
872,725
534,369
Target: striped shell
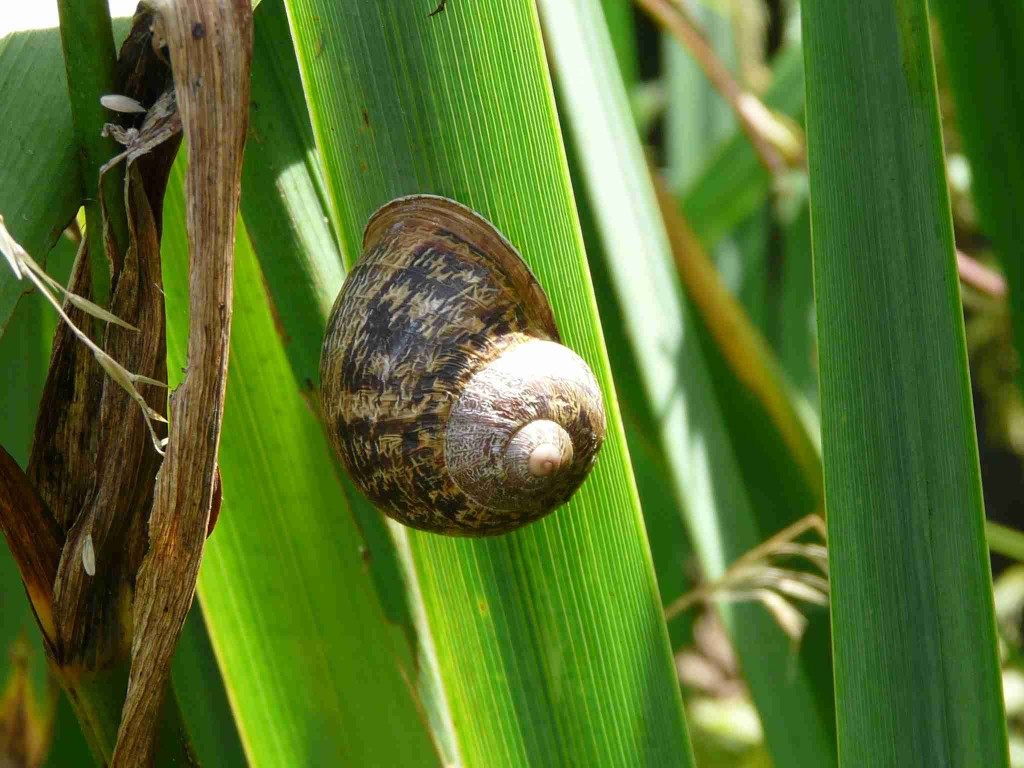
448,397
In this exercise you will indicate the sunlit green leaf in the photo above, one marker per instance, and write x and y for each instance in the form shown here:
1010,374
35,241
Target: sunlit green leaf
459,104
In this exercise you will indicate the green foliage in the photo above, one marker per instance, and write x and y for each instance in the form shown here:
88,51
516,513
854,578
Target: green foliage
324,635
459,104
40,187
917,674
982,42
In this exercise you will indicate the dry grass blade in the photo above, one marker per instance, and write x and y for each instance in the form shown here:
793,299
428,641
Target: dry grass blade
24,266
211,52
777,143
106,543
757,576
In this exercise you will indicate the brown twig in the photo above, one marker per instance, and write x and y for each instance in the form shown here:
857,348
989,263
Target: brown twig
755,119
210,43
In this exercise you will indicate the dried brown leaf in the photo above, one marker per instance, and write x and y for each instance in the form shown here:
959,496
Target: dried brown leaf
33,536
86,606
62,464
211,49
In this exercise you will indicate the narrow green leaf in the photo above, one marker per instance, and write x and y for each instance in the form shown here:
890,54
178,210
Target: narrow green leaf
314,673
284,200
671,549
1006,541
916,668
40,178
622,27
697,118
286,212
728,469
284,205
797,341
199,689
982,42
550,642
734,183
90,68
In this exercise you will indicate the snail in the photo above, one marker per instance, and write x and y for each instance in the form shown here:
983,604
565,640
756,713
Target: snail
445,388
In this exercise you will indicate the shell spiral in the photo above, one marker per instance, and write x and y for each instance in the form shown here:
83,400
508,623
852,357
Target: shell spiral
448,396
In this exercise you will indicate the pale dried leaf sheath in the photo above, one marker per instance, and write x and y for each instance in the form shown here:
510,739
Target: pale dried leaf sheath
210,43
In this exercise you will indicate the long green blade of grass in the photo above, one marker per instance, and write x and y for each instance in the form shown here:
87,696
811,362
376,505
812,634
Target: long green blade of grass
697,118
622,28
734,184
550,642
314,673
40,182
983,41
727,468
284,206
916,668
199,688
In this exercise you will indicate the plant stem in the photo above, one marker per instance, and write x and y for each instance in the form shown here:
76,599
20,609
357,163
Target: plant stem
1005,541
90,59
774,145
97,698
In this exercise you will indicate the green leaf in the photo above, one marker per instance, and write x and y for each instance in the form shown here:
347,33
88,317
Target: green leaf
284,200
314,673
199,689
285,209
734,184
550,642
916,668
728,468
982,42
40,182
697,118
796,343
622,27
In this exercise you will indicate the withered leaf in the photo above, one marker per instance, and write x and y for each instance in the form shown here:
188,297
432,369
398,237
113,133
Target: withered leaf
85,607
211,75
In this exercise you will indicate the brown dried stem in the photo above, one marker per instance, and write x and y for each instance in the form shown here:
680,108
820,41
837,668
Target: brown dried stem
776,151
210,44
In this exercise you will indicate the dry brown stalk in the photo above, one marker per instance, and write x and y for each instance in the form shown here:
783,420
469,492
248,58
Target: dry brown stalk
210,45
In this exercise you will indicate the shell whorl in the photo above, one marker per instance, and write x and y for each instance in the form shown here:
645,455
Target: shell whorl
510,440
448,398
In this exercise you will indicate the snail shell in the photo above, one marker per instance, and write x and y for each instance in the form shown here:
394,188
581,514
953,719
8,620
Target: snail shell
446,393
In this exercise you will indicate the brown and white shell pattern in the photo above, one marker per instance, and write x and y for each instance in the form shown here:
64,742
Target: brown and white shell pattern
447,395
